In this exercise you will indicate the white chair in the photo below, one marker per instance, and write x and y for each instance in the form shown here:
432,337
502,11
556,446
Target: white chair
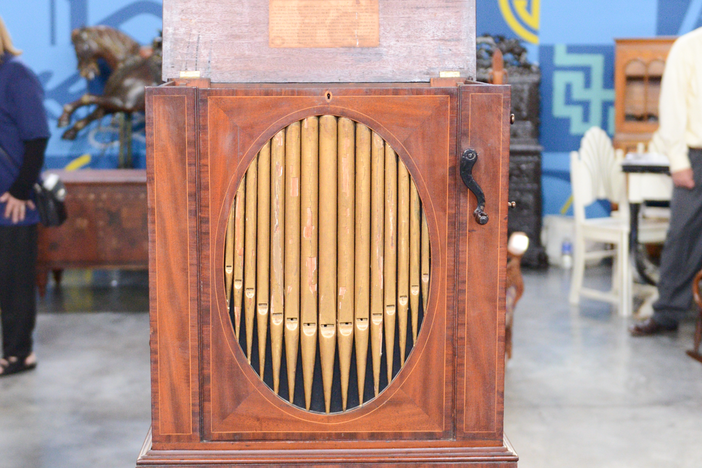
595,173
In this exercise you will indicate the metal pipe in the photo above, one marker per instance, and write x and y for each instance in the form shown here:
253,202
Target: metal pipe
377,241
292,252
362,253
426,253
229,255
403,260
250,259
309,182
346,186
277,265
390,283
415,247
262,269
327,250
238,276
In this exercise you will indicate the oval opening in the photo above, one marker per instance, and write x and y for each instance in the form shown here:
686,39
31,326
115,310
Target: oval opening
327,264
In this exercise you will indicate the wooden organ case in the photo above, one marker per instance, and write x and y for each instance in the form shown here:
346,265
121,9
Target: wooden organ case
327,259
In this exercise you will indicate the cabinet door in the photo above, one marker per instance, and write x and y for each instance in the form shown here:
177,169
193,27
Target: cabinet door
419,124
482,265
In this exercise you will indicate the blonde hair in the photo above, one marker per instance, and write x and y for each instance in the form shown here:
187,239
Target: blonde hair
6,40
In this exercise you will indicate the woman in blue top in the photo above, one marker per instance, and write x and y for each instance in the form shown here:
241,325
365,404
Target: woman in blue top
24,133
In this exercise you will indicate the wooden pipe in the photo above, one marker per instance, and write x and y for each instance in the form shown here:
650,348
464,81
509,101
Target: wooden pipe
292,252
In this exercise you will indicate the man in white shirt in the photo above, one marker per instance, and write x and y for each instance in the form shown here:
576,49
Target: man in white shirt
679,136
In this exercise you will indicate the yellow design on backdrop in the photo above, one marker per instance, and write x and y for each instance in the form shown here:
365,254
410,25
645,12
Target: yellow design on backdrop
79,162
567,205
525,17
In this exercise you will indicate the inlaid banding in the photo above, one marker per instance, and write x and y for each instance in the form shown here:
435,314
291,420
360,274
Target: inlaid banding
327,247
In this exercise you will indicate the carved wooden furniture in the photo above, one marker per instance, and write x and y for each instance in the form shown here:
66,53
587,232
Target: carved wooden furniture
106,226
524,79
695,351
638,69
325,289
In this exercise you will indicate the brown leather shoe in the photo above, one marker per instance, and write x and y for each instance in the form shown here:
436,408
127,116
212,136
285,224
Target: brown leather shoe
649,327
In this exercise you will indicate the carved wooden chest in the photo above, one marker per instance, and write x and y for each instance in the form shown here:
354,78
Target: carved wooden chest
106,227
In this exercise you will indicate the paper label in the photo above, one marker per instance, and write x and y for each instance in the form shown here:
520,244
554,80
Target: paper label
323,23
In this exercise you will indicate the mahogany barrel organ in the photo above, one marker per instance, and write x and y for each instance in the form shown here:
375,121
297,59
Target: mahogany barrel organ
327,252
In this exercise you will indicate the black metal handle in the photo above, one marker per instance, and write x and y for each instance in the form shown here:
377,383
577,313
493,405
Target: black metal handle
468,160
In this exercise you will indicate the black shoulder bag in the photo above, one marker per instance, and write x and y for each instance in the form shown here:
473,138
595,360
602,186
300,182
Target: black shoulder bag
51,200
50,197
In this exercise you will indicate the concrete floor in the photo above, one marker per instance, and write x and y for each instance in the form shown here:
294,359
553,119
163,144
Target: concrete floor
579,391
87,404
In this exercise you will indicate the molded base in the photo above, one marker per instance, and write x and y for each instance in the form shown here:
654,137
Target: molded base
389,455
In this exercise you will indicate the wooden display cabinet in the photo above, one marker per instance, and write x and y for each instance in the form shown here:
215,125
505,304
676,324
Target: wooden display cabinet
638,70
325,290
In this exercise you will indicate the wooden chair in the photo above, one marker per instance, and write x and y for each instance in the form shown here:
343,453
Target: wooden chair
695,351
595,175
595,172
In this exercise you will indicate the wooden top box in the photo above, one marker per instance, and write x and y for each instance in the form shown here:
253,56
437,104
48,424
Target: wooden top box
297,41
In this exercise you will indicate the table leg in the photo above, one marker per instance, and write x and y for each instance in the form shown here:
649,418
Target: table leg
58,275
42,279
634,227
636,252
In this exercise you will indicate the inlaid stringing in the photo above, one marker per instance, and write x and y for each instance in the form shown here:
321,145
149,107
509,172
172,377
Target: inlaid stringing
327,254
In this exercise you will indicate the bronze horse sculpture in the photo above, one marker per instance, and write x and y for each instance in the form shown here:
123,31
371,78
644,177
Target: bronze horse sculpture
132,71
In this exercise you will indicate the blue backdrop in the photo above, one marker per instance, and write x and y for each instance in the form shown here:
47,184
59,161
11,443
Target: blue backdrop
573,41
42,30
